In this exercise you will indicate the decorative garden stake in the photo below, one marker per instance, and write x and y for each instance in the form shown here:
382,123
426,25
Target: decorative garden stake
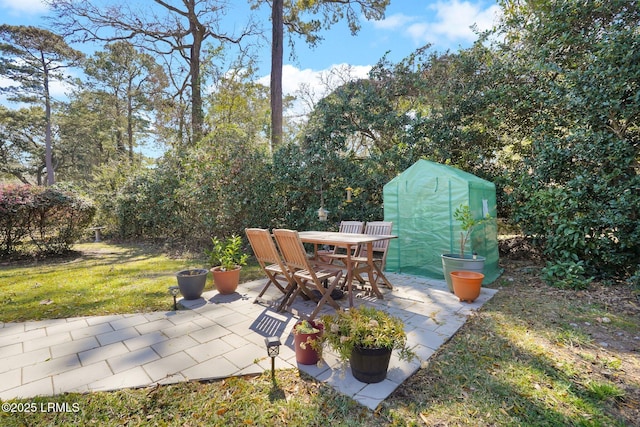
174,291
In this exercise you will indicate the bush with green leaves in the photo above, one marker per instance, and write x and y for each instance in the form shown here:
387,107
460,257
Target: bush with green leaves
216,188
15,215
227,254
49,218
577,190
569,274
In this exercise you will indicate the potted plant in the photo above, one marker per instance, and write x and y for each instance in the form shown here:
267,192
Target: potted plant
366,336
227,259
307,338
460,261
191,282
466,284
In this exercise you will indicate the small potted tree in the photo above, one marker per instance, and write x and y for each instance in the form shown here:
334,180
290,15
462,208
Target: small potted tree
460,261
307,339
226,259
366,337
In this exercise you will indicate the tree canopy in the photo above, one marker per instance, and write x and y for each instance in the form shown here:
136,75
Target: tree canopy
175,32
546,106
34,58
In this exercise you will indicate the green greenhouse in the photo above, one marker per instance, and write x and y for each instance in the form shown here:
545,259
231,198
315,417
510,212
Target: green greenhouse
421,202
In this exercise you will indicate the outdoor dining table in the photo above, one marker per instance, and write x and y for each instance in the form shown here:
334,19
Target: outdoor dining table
350,242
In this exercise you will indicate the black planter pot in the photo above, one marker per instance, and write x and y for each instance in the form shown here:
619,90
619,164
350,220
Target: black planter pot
370,365
192,282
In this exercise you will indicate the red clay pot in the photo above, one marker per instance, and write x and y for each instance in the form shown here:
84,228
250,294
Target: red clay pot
466,284
226,282
307,355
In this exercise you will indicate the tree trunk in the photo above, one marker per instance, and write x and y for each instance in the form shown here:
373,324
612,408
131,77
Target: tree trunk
196,89
130,120
276,72
48,154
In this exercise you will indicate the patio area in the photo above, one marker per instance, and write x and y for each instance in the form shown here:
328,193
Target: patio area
217,336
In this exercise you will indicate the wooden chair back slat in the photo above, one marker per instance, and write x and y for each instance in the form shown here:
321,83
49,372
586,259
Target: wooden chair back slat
264,247
355,227
292,249
381,228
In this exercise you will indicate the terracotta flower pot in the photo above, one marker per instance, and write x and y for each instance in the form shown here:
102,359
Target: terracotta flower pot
466,284
226,282
454,262
306,354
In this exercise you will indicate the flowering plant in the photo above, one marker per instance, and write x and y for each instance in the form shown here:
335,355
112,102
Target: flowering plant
313,330
305,327
365,327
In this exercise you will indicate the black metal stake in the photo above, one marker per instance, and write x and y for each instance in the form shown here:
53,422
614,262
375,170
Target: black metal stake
273,369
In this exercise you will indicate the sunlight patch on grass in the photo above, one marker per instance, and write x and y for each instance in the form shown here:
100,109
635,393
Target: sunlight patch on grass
102,279
602,390
570,338
116,279
293,400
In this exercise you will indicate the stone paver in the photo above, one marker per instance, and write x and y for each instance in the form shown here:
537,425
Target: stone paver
216,336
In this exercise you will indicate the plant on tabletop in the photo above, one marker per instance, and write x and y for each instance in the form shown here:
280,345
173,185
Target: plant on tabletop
366,337
226,258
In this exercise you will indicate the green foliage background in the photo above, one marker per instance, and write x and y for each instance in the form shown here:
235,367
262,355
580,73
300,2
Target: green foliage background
48,219
546,105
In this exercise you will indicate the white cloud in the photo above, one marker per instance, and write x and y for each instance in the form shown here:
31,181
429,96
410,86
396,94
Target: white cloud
316,84
16,7
449,23
294,78
454,19
393,22
59,89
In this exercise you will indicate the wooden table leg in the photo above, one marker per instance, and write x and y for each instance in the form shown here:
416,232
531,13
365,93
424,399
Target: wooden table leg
349,278
370,271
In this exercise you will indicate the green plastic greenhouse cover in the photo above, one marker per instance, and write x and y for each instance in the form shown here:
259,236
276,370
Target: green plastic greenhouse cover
421,201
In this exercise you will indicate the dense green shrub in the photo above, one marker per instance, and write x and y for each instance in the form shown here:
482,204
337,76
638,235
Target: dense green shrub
216,188
577,191
16,203
49,218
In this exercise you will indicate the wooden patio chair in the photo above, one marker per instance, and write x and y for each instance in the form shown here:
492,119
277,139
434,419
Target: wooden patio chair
266,252
381,228
333,254
309,276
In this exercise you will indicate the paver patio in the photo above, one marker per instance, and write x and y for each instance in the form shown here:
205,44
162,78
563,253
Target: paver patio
216,337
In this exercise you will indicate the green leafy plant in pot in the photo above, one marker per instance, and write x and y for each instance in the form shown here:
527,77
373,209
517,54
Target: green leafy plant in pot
226,258
366,337
460,261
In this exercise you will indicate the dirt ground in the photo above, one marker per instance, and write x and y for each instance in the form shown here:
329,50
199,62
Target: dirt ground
609,315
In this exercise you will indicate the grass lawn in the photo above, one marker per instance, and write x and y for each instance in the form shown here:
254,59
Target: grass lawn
101,279
533,356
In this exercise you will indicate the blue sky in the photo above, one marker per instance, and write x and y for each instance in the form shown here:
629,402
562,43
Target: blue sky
408,25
